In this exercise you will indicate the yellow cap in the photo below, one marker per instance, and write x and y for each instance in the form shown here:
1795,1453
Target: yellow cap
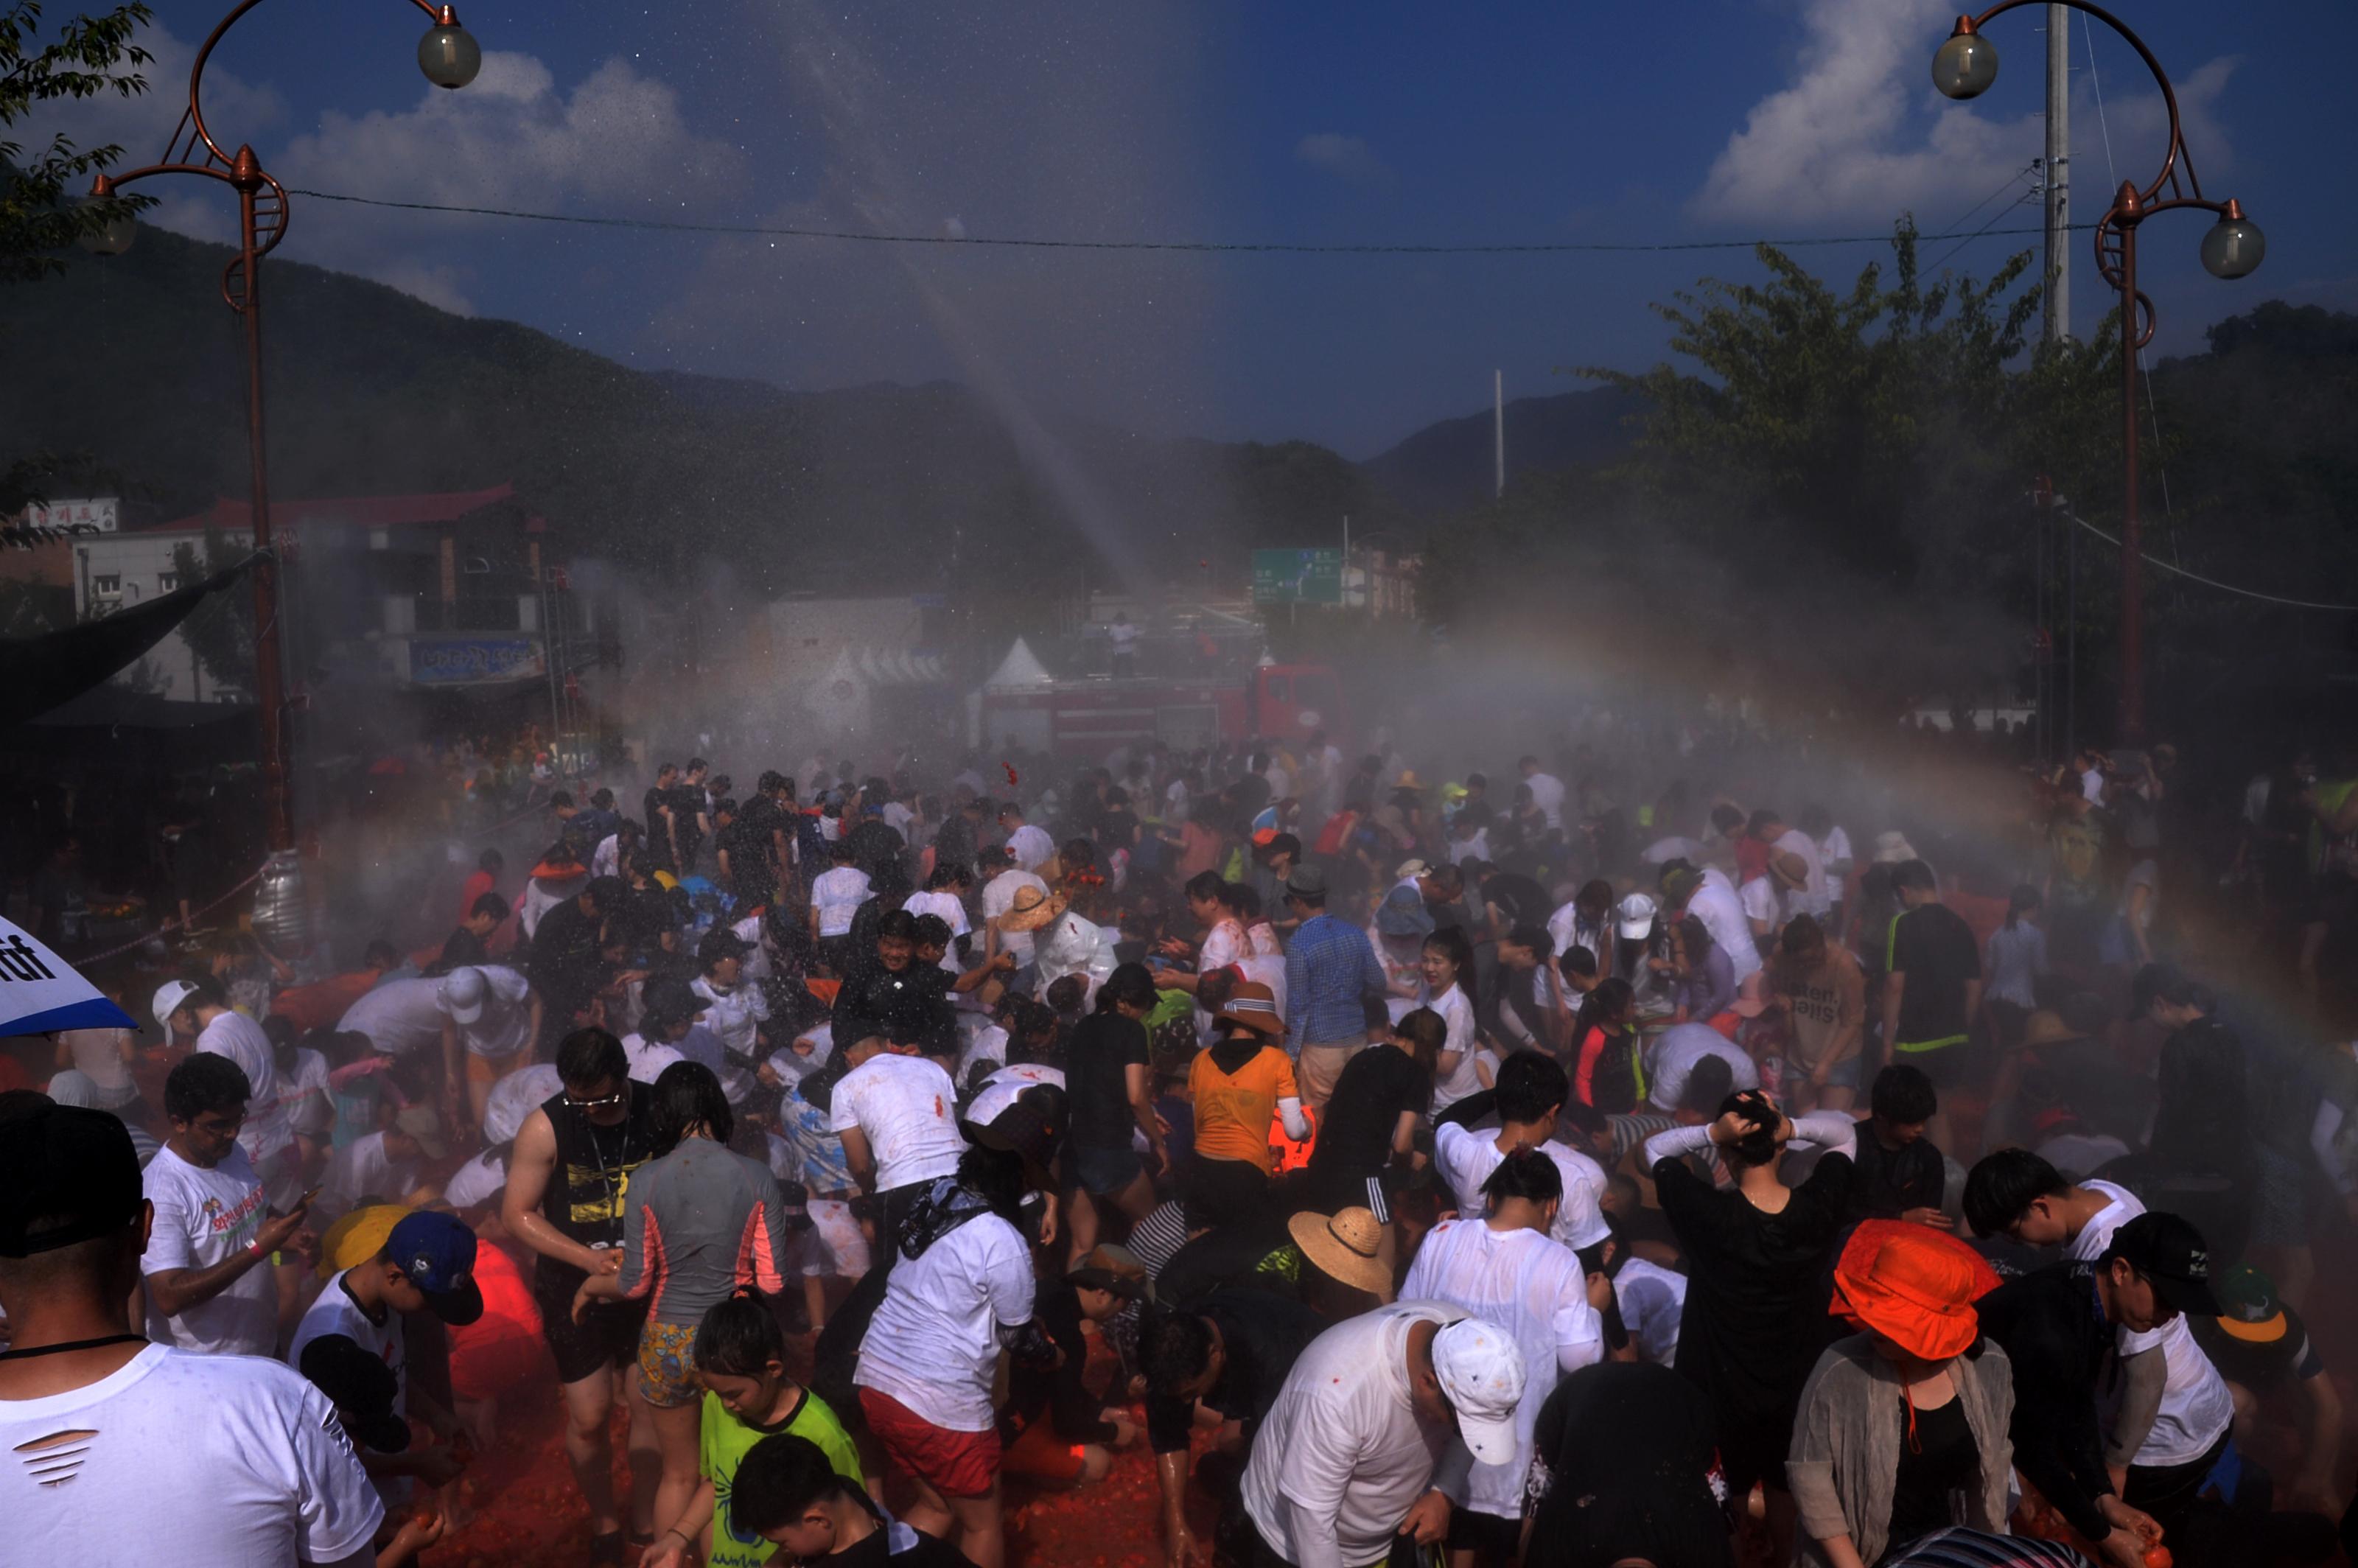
358,1236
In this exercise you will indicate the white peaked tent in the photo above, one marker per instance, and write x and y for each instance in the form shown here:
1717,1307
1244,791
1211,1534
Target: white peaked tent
1020,671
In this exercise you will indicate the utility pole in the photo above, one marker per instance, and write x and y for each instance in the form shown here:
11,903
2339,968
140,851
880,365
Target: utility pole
1498,426
2058,173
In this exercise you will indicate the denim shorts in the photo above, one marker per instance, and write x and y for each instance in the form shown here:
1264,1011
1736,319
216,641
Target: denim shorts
1105,1172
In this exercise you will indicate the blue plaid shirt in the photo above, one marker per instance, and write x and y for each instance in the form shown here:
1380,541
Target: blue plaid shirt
1330,968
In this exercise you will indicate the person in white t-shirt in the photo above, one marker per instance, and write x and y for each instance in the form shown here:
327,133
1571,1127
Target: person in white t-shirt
1499,1263
209,1285
1445,964
999,897
199,1007
1531,1090
123,1452
400,1017
384,1166
2173,1407
1813,897
1762,905
490,1016
1672,1057
426,1263
946,894
1028,846
1835,859
1376,1430
835,896
1652,1299
897,1115
734,1011
1710,897
962,1292
1547,790
1005,1086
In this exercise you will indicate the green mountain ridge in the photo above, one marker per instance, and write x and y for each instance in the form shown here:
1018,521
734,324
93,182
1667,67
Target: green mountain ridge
134,363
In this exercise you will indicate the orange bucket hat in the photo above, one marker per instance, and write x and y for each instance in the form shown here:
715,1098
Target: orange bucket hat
1914,1285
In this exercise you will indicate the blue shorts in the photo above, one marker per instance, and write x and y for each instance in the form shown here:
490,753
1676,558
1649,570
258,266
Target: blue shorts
1105,1172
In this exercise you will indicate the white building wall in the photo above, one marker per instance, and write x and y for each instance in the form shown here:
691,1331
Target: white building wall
120,572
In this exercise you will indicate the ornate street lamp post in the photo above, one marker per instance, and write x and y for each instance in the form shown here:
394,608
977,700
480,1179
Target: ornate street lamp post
1965,67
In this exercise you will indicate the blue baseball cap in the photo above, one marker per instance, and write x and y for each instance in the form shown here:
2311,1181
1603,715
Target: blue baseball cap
437,1252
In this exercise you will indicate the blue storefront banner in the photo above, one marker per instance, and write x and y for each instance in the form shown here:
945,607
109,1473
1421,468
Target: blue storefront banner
468,661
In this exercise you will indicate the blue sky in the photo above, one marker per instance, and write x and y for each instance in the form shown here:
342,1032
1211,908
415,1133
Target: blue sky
1321,123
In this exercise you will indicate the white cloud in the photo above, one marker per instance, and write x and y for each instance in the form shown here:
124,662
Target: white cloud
143,124
1348,158
510,138
1860,134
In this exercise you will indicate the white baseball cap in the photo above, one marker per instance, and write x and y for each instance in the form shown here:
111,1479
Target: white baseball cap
1637,916
169,996
1482,1373
463,992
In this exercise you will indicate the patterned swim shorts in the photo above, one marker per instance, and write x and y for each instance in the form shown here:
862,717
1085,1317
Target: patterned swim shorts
667,1364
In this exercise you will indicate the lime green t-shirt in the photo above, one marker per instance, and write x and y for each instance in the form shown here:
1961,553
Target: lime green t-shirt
722,1440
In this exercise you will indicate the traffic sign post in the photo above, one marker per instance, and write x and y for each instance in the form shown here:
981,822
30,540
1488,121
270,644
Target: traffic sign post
1297,577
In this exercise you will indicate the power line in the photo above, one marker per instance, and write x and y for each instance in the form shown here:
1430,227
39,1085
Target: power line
2210,582
1249,247
2022,175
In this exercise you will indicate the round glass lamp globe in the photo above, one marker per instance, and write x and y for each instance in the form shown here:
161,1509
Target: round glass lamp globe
2234,248
449,55
1965,66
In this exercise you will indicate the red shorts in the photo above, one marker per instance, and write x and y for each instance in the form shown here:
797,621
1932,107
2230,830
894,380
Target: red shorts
955,1464
486,1367
1038,1454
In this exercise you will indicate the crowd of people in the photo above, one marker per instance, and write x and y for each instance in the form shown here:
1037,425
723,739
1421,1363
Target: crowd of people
1411,1169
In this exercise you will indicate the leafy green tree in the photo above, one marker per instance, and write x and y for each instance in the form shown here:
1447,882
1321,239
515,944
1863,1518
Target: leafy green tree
1867,422
37,216
37,219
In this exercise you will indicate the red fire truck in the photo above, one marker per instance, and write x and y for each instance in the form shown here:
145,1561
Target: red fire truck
1088,716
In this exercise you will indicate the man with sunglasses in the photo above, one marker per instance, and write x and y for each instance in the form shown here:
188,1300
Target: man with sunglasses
567,1179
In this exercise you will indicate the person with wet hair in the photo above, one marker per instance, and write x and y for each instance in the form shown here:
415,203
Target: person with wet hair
1756,1255
575,1157
1506,1267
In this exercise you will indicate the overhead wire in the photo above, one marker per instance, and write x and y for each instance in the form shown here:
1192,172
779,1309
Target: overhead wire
1545,247
2207,581
2021,176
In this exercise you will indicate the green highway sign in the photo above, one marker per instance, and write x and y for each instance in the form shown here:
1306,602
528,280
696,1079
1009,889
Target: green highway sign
1297,577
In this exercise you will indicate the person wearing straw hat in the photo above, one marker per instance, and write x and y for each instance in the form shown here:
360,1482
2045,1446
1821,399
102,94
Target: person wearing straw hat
1238,1083
1375,1430
1911,1412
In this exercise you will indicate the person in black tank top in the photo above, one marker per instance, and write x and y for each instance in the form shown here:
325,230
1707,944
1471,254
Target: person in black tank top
567,1176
